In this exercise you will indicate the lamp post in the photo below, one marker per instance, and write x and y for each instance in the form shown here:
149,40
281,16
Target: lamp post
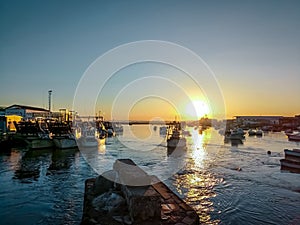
49,101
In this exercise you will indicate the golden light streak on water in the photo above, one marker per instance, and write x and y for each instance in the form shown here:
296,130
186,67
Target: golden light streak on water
195,182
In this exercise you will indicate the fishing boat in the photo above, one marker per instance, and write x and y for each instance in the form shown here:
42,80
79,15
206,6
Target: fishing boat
259,132
109,129
35,134
42,141
289,165
291,161
294,136
234,135
292,153
239,131
174,136
251,132
118,128
88,138
65,141
62,135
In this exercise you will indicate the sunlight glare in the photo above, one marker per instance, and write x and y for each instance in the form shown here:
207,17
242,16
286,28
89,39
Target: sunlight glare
196,109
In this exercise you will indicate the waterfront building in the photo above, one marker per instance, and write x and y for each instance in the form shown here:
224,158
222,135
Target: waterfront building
26,112
258,120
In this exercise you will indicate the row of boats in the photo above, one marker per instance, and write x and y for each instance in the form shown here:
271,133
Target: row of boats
48,134
238,135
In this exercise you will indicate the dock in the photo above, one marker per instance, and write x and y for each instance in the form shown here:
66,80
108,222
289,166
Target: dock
128,195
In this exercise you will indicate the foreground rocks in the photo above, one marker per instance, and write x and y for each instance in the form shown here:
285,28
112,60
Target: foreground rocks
127,195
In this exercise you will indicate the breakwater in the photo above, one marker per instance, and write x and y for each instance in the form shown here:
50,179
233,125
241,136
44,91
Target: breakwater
128,195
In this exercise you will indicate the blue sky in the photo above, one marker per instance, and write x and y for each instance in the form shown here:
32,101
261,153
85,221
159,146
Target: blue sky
252,47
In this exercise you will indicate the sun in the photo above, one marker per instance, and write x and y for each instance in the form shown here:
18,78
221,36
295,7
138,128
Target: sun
196,109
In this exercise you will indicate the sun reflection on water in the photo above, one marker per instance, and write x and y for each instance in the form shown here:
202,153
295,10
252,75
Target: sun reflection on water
195,181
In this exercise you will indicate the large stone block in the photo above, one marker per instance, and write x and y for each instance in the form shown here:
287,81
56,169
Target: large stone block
105,182
130,174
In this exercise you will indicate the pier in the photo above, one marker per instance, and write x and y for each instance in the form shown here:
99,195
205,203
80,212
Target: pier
128,195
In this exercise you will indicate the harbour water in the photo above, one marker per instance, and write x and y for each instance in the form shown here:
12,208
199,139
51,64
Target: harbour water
225,184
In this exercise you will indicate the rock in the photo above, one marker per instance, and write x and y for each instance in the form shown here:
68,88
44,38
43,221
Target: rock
107,201
127,220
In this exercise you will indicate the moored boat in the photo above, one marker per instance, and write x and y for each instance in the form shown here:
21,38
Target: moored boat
294,136
288,164
163,131
62,135
118,128
43,141
88,138
174,137
35,134
291,161
64,142
256,132
294,152
251,132
259,132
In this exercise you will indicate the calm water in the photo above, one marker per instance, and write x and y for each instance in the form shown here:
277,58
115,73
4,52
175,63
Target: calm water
225,184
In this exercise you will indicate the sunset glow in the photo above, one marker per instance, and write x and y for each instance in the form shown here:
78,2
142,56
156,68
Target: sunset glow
197,109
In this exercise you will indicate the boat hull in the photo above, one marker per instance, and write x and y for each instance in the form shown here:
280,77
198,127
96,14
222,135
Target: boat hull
63,143
88,142
41,143
288,164
293,153
291,161
294,137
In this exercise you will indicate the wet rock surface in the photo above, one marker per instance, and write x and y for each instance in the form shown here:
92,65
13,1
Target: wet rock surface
109,201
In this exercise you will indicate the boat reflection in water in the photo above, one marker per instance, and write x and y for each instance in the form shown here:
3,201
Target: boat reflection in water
194,182
62,159
28,168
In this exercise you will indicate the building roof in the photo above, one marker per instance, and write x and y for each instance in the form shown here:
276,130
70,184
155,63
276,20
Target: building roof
258,117
27,107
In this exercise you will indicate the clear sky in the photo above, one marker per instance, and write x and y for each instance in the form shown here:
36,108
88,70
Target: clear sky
252,47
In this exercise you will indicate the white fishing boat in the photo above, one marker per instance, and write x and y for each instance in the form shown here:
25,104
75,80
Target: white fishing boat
62,135
88,138
118,128
174,137
65,141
